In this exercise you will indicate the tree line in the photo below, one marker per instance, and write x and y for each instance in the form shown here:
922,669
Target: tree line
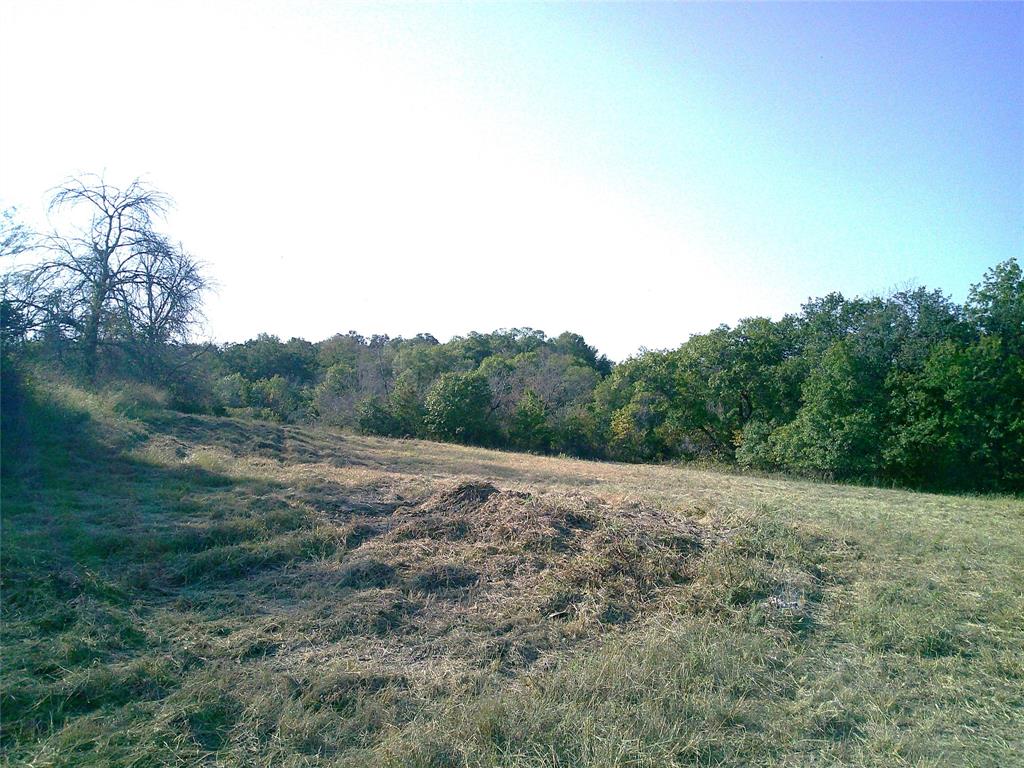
910,389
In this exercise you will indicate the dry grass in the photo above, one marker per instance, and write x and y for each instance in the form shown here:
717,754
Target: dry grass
182,590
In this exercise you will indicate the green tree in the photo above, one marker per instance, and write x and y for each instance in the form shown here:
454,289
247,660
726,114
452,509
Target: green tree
529,429
996,306
576,346
277,397
458,408
577,433
267,356
406,406
15,236
334,395
728,377
836,432
631,407
231,391
374,417
962,420
638,429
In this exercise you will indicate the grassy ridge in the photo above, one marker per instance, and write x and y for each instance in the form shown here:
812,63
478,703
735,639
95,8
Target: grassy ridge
183,590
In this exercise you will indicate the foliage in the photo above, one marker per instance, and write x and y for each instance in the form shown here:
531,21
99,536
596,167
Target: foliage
529,429
277,397
835,432
458,408
400,414
232,391
267,356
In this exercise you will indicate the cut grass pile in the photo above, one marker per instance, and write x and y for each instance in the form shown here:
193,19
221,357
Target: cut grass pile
184,590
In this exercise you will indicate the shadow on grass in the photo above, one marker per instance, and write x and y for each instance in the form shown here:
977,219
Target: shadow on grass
97,542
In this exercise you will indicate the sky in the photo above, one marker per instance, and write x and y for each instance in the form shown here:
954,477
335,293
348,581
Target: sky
635,173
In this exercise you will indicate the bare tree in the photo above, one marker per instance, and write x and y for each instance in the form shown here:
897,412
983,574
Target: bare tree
158,301
111,276
15,237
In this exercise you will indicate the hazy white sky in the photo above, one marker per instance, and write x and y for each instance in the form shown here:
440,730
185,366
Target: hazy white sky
442,169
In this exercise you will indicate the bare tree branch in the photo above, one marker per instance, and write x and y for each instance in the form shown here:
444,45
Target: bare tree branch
111,277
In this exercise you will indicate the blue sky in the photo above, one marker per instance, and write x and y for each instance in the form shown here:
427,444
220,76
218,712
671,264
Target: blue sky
633,172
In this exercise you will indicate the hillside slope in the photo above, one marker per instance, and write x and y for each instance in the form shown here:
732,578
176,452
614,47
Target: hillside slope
183,590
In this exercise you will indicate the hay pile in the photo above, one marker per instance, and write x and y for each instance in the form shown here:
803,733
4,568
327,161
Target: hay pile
501,577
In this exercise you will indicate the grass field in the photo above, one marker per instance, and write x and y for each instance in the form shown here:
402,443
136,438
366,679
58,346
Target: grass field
186,590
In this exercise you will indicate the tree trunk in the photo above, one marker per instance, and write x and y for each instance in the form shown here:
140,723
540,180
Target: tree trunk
91,334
